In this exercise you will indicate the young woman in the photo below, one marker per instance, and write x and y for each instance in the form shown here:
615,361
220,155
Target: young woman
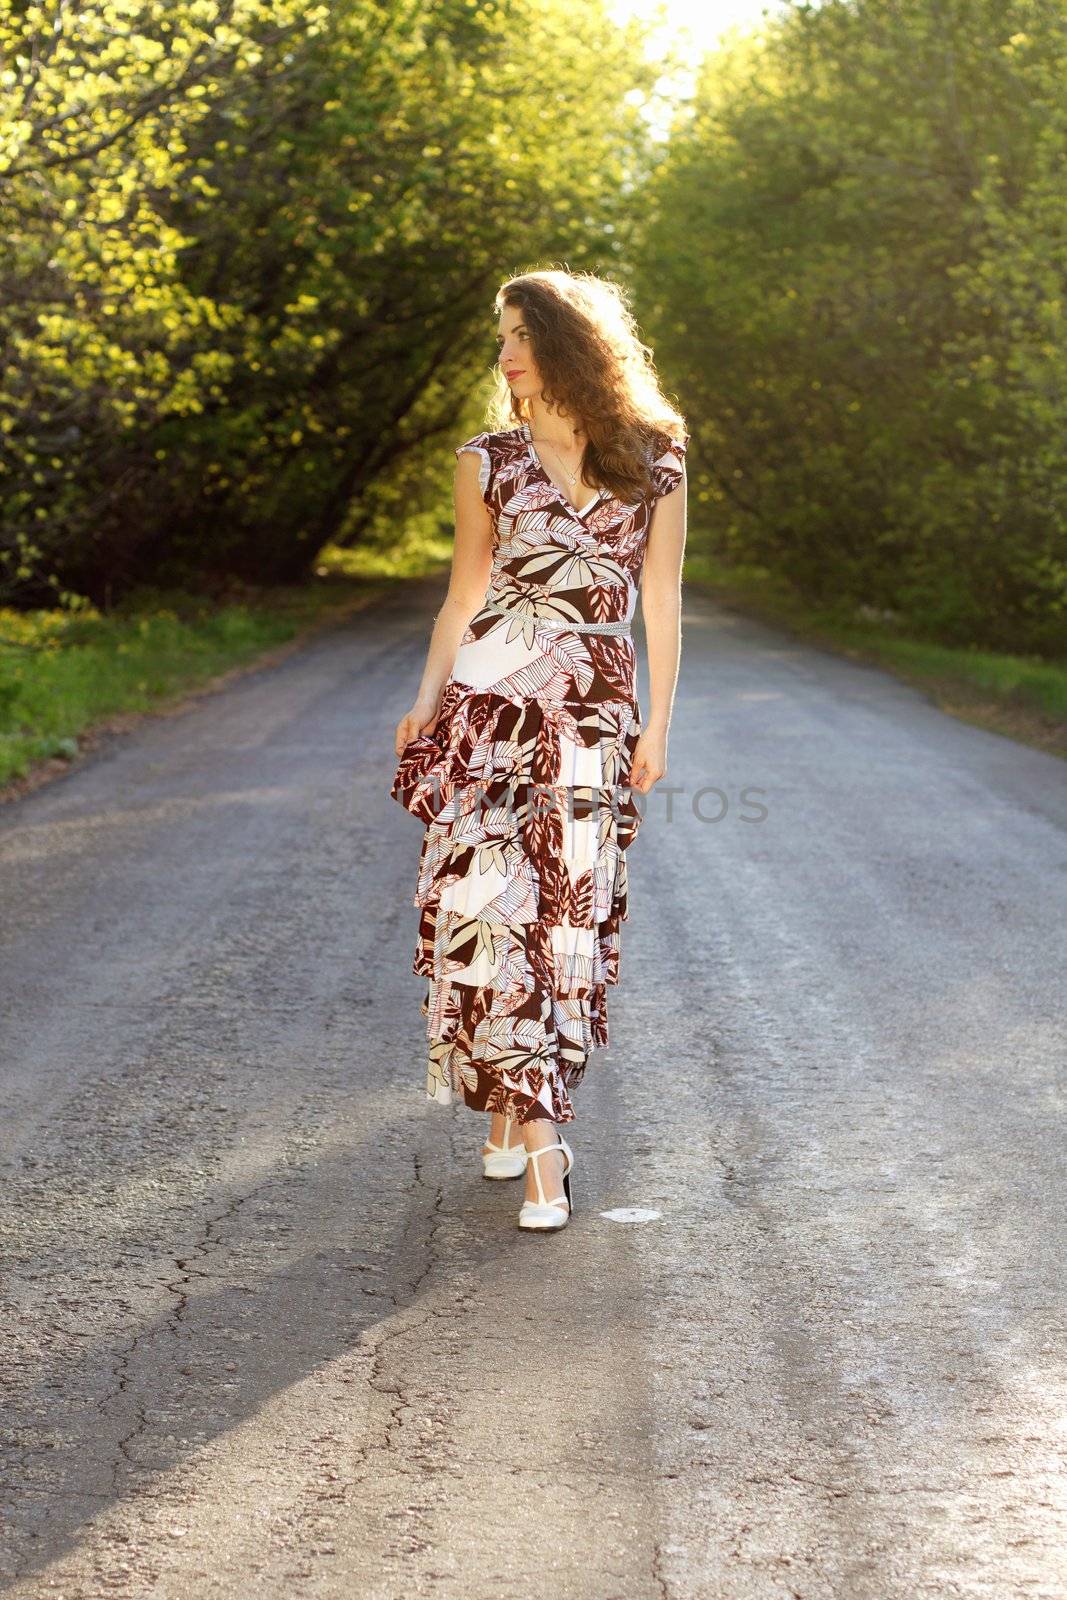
525,740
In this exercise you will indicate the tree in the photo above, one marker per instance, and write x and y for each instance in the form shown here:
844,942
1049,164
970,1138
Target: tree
863,307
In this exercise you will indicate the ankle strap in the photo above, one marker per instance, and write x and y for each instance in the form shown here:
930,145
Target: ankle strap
545,1148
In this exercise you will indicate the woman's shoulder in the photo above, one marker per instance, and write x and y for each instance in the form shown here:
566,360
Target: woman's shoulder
497,448
667,460
498,438
664,442
499,452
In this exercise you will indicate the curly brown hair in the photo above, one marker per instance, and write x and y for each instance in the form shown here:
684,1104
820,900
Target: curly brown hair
596,367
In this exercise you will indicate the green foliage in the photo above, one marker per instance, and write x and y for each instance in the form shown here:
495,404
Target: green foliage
253,252
864,309
251,248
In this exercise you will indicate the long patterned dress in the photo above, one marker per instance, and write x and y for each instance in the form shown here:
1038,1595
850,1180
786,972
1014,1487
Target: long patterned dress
522,881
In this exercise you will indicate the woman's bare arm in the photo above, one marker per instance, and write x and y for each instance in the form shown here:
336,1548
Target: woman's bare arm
661,611
472,561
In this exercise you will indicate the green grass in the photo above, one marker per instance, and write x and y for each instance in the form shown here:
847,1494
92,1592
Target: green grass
1022,696
62,674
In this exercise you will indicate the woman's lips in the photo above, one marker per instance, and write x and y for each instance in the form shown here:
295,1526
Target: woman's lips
512,375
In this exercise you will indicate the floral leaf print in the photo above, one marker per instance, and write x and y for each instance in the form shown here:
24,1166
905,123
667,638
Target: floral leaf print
559,608
490,858
539,952
582,901
606,828
521,596
572,1018
516,902
528,1032
538,530
536,604
555,891
540,677
412,784
443,1012
566,569
544,768
573,972
573,656
521,627
469,938
543,833
514,980
630,540
603,598
613,659
611,765
440,1054
492,1031
667,471
527,751
588,728
510,483
486,943
527,1062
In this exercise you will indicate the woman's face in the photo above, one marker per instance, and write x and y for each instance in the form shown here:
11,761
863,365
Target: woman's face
516,357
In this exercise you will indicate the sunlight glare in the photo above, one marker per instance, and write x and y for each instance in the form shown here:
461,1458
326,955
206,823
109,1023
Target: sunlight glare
689,29
703,22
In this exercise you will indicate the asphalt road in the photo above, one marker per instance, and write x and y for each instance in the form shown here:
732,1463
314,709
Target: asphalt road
268,1332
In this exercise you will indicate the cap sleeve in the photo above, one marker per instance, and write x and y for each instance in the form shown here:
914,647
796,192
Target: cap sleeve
667,468
479,446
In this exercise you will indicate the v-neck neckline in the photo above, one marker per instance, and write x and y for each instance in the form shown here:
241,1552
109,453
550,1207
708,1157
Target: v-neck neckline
543,470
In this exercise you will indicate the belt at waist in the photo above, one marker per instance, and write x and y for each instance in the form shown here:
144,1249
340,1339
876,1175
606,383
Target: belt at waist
557,622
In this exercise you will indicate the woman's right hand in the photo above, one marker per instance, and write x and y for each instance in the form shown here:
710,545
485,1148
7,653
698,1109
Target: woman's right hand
422,718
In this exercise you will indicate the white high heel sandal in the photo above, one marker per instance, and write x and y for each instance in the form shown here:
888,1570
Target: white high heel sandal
504,1160
542,1213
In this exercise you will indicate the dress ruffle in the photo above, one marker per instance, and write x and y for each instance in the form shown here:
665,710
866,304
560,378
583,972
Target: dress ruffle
668,468
479,447
522,888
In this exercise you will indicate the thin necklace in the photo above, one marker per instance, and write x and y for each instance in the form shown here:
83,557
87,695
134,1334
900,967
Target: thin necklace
571,476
